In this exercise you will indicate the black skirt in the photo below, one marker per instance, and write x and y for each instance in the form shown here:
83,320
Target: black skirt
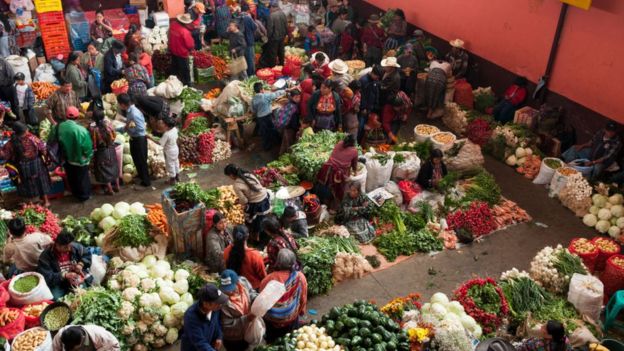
106,166
34,178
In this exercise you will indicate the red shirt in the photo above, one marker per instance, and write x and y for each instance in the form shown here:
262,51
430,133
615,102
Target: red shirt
515,94
146,61
180,40
253,266
322,70
306,94
373,37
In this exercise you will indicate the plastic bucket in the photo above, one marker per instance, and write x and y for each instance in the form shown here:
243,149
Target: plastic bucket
578,165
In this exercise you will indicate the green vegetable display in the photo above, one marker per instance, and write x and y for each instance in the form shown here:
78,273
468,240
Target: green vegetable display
191,98
82,228
197,126
34,218
523,296
26,284
396,243
558,309
485,297
57,318
4,233
553,163
567,264
311,151
247,85
483,187
361,326
132,230
98,306
194,194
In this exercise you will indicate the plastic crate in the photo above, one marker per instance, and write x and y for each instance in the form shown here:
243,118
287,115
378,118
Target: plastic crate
78,44
43,6
25,39
51,18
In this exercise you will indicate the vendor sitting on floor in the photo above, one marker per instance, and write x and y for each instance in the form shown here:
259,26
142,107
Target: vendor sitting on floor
553,339
432,172
23,251
65,265
355,212
600,151
295,221
85,337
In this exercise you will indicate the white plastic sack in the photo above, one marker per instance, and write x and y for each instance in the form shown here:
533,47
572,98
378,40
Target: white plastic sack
20,65
546,173
393,189
359,177
254,333
98,269
169,89
378,174
586,294
45,73
407,169
581,336
557,183
39,293
46,345
221,104
175,107
272,292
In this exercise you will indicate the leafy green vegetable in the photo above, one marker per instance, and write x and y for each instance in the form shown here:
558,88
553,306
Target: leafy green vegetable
99,307
395,243
485,297
191,98
398,159
34,218
483,187
523,296
382,158
132,230
197,126
567,264
4,232
82,228
558,309
423,150
193,193
283,161
311,151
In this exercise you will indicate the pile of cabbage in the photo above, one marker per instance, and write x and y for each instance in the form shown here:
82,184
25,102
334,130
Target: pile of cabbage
106,216
154,301
606,214
440,312
128,169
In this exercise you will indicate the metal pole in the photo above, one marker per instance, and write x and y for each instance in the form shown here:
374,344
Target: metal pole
553,51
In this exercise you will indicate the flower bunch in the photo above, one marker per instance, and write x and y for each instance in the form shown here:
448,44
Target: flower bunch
477,219
395,308
484,301
418,335
39,219
478,131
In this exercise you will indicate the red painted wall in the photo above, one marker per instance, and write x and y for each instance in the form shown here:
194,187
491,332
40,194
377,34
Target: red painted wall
518,34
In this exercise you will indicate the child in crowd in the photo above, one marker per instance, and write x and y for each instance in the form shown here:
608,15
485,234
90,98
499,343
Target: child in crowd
305,128
169,142
288,120
351,122
312,42
25,100
261,108
146,61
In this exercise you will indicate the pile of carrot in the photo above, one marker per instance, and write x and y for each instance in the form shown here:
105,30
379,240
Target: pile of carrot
212,94
156,216
383,148
43,90
507,213
220,66
531,166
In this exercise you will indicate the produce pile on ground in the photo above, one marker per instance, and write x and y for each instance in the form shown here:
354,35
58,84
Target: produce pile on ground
39,219
311,151
552,268
606,214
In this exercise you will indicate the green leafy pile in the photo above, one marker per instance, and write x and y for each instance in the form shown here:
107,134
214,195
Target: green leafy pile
34,218
317,256
485,297
132,230
197,126
247,85
194,194
283,161
191,98
524,295
483,187
483,101
82,228
311,151
567,264
396,243
423,150
98,306
557,309
4,233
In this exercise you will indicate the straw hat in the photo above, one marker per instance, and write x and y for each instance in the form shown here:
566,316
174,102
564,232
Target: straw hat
201,8
338,66
184,18
373,19
390,62
457,43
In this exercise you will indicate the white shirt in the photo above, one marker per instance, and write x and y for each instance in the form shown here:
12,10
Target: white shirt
25,251
169,142
21,94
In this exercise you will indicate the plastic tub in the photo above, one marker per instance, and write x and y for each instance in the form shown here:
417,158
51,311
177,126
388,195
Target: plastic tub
578,165
423,132
443,145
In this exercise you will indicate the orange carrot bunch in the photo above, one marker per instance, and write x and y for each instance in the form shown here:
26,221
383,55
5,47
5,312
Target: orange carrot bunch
156,216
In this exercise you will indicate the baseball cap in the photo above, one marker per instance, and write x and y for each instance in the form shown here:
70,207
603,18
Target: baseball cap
210,293
229,280
72,112
611,126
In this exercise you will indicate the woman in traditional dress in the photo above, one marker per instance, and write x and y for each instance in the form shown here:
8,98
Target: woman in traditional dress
432,172
137,77
25,152
337,169
280,239
354,214
105,163
324,108
435,86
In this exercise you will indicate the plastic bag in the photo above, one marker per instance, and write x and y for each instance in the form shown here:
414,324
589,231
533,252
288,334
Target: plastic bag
20,65
393,189
45,73
586,294
557,183
135,254
12,329
98,269
359,177
254,333
38,293
46,345
269,296
408,169
581,336
231,90
469,157
546,173
378,174
409,190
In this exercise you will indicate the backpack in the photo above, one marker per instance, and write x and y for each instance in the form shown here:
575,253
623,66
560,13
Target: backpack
281,118
261,32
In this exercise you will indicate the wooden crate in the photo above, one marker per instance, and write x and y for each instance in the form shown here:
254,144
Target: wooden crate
185,228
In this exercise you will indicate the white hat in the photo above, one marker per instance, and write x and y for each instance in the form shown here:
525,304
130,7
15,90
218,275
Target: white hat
457,43
338,66
184,18
390,62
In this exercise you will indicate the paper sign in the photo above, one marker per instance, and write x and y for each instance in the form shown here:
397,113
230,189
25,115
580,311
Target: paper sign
583,4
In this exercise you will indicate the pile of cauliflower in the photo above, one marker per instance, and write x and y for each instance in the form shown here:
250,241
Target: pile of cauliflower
154,301
606,214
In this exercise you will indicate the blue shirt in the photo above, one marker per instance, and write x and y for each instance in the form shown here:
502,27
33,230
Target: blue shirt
136,116
261,103
200,333
249,30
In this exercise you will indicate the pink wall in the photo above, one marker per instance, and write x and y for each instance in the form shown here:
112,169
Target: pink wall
517,35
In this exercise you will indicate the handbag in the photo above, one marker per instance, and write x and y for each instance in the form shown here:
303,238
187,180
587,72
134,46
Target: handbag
238,65
55,153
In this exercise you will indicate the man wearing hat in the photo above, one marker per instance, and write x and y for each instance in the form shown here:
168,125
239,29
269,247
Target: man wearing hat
458,58
372,39
391,80
181,43
196,11
75,143
202,321
236,313
600,151
418,43
340,75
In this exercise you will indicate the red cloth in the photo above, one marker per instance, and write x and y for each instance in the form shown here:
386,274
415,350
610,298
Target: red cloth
252,267
344,157
515,94
180,40
307,88
346,42
373,37
387,116
146,61
322,70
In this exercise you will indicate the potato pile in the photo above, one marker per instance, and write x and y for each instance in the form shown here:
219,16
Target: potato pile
29,340
7,316
228,205
35,310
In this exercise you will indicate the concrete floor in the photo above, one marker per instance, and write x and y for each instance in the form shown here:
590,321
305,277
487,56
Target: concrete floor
503,250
